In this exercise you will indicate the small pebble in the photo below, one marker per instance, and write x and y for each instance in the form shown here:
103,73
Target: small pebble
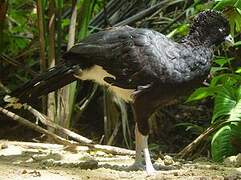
168,160
175,173
24,171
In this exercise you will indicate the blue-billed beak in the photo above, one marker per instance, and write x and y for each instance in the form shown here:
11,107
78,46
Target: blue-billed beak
229,41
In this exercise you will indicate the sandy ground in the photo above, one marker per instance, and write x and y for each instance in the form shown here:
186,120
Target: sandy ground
18,162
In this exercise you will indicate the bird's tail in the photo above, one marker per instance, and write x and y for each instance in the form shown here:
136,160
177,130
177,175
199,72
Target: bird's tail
46,82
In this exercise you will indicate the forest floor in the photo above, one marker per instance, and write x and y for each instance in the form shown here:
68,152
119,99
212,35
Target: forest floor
44,161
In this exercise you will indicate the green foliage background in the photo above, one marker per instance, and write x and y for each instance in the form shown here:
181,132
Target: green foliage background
225,89
19,55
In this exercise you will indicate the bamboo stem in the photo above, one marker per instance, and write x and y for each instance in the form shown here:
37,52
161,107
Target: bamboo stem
3,12
51,111
72,26
43,62
65,94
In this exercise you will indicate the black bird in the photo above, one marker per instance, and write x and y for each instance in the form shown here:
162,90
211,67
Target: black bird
141,66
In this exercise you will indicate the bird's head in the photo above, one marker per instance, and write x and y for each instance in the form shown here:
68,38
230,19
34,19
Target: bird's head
211,28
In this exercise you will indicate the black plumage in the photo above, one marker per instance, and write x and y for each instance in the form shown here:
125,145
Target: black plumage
142,66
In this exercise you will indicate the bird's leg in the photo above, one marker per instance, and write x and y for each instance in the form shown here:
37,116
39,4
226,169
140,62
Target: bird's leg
143,107
142,145
139,147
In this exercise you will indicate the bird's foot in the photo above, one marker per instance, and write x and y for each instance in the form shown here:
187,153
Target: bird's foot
136,166
150,170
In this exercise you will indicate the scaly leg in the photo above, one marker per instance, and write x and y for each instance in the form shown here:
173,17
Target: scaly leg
142,145
139,146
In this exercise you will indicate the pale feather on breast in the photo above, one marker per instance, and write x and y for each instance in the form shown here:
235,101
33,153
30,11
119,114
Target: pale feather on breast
97,74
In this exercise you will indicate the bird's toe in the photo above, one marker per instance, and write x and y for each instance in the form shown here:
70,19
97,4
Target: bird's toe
137,166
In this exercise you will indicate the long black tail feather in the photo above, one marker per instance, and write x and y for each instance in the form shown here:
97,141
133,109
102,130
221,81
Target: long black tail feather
46,82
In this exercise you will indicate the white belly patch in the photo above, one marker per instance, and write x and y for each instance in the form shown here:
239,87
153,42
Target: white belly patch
97,74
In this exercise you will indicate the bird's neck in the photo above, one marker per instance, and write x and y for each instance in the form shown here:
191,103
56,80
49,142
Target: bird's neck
197,39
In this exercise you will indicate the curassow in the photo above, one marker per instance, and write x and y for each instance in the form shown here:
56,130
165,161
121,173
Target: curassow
141,66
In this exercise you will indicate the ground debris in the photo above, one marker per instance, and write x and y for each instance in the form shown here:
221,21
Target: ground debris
234,161
27,163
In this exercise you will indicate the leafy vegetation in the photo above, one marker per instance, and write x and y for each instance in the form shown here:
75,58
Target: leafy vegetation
225,89
33,35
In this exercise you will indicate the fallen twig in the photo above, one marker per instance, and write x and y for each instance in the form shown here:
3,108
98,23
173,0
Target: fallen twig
45,120
58,139
188,150
14,102
107,149
112,149
34,145
25,122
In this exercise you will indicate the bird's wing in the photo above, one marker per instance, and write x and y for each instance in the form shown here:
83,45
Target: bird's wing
135,57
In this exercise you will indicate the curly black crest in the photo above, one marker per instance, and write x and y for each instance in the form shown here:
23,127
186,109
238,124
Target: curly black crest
210,26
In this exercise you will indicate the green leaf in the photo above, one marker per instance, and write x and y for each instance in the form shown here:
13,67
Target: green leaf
216,80
190,126
227,79
182,30
217,69
238,70
224,3
221,146
238,4
239,10
234,18
65,22
235,113
237,21
86,13
224,102
234,13
21,43
238,43
201,93
223,60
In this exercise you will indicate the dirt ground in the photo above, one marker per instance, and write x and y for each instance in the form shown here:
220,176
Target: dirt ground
41,161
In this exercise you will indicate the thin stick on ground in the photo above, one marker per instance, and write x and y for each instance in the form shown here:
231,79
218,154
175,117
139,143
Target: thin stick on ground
41,146
189,149
46,121
27,123
60,140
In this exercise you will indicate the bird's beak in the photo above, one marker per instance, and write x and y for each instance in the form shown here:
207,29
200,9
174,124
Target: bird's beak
229,40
